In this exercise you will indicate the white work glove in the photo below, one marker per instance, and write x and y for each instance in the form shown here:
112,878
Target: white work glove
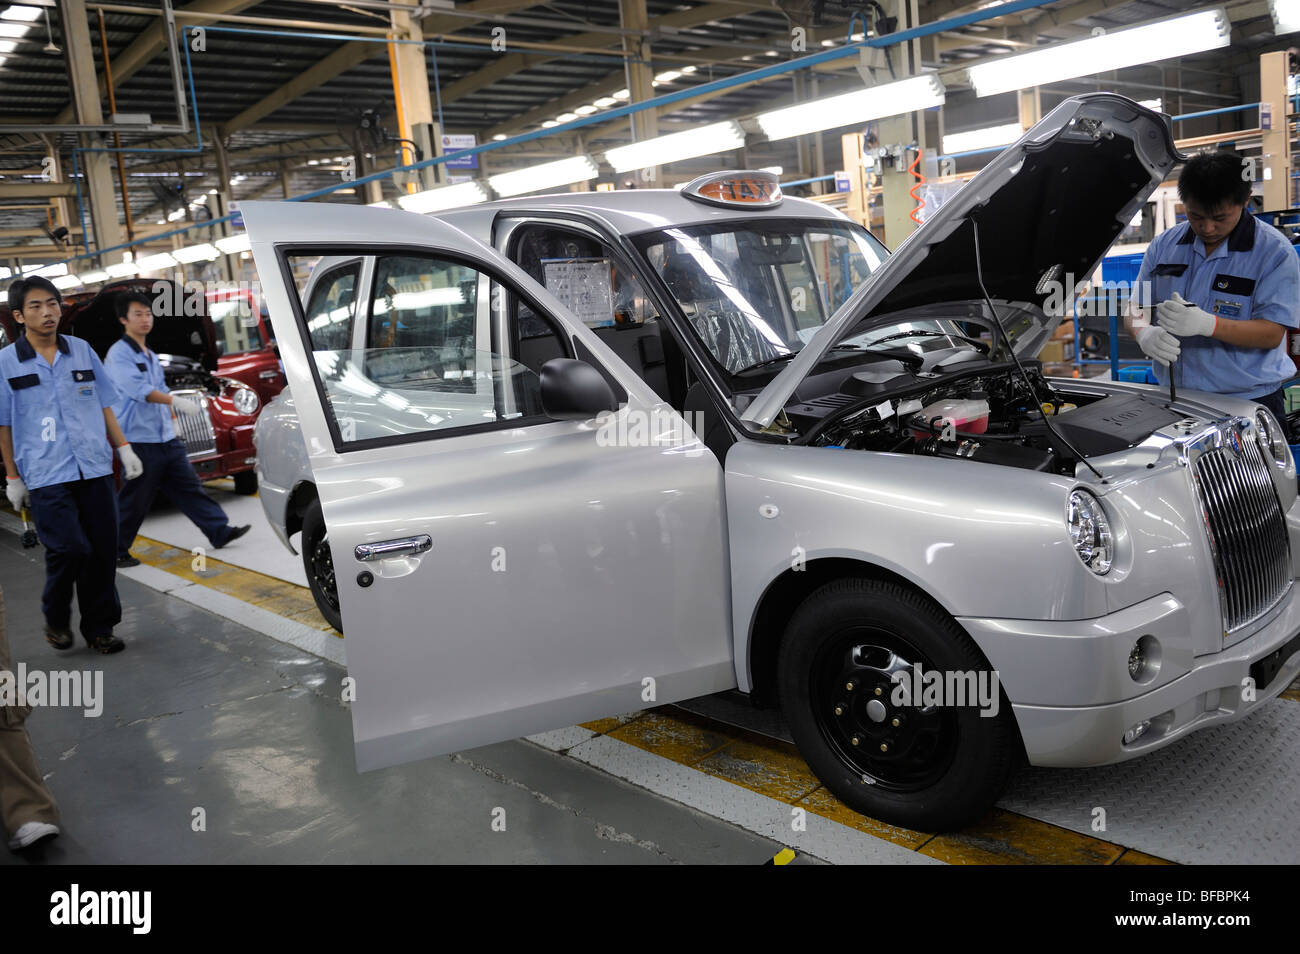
16,491
1179,317
1158,343
131,466
183,405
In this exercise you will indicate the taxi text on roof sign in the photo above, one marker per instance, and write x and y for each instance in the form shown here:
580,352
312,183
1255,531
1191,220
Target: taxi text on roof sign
738,189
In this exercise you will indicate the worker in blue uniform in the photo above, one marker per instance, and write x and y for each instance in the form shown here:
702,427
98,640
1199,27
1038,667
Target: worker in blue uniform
144,406
57,431
1225,288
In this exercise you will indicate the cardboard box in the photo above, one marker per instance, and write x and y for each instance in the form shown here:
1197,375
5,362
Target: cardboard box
1057,351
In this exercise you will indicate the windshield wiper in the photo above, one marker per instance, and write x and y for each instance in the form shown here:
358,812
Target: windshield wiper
766,361
934,334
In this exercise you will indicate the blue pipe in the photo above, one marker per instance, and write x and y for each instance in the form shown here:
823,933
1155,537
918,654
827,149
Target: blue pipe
776,69
795,182
353,38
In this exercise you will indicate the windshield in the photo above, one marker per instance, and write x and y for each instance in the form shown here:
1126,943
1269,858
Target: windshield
758,290
235,326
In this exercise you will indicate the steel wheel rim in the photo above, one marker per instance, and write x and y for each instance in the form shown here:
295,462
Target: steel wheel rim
919,742
322,570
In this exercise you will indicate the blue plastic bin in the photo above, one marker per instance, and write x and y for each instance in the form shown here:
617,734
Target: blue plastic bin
1137,374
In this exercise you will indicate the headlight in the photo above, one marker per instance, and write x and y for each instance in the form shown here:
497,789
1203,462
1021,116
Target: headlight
245,400
1271,440
1089,531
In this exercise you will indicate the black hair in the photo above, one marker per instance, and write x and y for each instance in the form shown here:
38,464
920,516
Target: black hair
18,291
1211,179
124,301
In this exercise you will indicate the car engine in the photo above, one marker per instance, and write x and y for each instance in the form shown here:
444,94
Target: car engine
993,418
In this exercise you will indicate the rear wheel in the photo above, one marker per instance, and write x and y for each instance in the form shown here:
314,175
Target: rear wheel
928,766
318,564
246,483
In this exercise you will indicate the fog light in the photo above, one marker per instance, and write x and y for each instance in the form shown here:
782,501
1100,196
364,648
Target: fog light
1144,660
1135,733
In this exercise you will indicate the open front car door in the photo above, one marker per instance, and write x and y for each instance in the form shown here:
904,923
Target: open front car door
501,570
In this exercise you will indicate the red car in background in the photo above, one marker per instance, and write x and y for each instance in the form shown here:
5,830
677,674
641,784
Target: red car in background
246,351
219,442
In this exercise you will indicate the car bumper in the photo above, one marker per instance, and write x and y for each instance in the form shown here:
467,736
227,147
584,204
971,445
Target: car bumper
1085,662
213,466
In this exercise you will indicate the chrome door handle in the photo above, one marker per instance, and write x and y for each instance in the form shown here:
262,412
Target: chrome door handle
387,548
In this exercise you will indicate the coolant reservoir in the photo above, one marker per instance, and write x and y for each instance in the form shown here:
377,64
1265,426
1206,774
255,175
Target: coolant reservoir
970,416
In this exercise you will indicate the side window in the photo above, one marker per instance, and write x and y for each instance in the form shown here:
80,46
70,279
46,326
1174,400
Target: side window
585,275
332,308
427,365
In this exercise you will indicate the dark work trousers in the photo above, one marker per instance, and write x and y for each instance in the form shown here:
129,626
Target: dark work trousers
77,524
168,471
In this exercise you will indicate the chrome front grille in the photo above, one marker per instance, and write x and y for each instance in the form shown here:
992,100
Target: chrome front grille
195,430
1246,526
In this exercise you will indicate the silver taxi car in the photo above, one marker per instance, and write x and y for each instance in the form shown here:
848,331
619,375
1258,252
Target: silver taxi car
574,455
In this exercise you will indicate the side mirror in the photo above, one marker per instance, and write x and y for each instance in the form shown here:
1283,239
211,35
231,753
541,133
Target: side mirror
574,391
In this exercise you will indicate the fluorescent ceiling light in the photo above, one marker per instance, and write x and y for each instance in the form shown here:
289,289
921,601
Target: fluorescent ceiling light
1286,16
446,197
498,137
622,94
48,271
8,46
847,109
18,30
4,272
668,76
178,214
985,138
64,282
548,175
121,269
230,244
1162,40
26,14
586,110
566,117
701,141
606,101
152,263
1157,104
689,69
549,124
93,278
777,171
381,204
196,253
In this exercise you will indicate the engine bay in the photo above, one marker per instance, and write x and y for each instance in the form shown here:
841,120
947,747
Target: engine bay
991,416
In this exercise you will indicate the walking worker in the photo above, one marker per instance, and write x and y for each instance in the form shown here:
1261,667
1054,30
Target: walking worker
56,426
144,406
1225,288
27,809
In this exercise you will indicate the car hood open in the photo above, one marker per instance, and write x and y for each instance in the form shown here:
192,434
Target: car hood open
1046,209
183,330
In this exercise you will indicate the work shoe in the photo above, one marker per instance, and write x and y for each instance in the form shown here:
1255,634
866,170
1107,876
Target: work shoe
235,534
29,833
127,560
60,637
106,644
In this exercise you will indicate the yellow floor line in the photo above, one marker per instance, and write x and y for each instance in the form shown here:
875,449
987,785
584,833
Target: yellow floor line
775,768
278,596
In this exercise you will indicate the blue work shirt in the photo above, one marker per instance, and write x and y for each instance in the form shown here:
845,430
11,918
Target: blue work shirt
1254,273
135,372
56,412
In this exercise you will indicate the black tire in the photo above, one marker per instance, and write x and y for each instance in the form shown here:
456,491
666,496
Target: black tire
246,482
946,765
318,564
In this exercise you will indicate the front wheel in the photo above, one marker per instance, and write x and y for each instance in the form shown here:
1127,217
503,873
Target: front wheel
927,760
318,564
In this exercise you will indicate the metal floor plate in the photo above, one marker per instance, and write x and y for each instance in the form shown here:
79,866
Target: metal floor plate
1229,794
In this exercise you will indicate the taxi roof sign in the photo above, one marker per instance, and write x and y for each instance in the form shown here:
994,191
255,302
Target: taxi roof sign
737,188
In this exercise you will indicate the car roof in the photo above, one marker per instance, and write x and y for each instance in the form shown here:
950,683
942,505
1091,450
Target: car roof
627,211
